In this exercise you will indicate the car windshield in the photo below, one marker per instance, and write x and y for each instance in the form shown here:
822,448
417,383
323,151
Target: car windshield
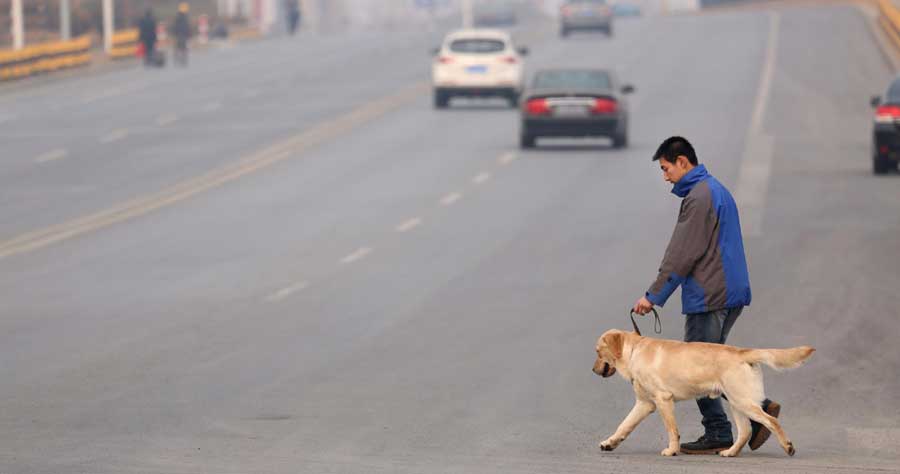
893,93
477,46
572,80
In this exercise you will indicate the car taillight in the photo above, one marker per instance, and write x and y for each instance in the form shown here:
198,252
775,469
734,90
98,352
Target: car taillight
887,113
537,107
566,11
445,60
509,59
604,106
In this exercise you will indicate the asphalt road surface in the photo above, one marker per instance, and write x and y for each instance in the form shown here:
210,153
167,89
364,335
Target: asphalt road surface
283,259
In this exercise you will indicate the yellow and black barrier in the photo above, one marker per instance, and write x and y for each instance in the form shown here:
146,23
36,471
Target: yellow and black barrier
124,44
44,57
889,19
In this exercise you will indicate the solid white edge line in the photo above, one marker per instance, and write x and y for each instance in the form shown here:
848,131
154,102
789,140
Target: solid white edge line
765,85
759,148
481,177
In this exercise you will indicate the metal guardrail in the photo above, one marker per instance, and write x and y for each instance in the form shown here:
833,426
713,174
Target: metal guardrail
44,57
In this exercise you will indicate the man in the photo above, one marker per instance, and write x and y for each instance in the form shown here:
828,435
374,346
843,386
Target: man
147,36
181,28
705,256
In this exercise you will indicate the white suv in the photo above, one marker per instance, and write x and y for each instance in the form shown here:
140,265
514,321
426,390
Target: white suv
477,63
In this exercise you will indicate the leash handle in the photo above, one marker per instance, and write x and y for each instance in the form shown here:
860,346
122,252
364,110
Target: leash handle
657,324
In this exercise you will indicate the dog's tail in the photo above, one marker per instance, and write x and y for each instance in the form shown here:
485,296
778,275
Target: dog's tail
779,359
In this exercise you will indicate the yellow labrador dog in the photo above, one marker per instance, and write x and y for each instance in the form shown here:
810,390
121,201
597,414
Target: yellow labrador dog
664,371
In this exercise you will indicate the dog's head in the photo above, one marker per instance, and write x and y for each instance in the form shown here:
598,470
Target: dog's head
609,351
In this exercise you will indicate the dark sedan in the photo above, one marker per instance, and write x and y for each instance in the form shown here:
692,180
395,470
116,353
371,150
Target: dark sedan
886,133
575,103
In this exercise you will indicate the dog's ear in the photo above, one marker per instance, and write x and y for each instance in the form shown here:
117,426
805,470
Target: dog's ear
615,341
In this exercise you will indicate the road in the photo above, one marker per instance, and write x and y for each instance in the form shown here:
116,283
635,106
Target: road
282,259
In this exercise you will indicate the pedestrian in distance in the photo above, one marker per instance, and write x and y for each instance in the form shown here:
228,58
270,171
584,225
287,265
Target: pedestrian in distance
292,10
705,256
181,29
147,36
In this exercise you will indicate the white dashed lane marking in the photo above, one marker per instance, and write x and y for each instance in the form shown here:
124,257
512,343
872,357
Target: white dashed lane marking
409,225
52,155
481,177
450,199
114,135
285,292
164,120
212,106
507,158
356,255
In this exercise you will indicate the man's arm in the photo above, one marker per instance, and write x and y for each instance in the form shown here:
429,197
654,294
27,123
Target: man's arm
690,241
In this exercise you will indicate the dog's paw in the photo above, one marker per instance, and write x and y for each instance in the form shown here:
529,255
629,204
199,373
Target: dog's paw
790,449
669,452
608,445
729,453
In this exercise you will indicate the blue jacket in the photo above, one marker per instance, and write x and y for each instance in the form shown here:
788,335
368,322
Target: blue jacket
706,253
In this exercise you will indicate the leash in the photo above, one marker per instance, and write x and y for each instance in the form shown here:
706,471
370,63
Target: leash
657,325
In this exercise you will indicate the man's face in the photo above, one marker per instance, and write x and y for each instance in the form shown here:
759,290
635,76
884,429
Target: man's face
673,172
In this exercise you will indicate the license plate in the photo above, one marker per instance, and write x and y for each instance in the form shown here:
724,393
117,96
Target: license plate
480,69
570,111
587,13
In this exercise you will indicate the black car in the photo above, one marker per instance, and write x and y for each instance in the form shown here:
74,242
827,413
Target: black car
574,103
580,15
886,130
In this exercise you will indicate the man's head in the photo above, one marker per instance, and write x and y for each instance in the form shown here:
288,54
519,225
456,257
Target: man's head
676,158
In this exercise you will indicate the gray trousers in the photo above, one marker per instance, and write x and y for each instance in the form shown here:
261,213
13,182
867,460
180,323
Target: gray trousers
713,327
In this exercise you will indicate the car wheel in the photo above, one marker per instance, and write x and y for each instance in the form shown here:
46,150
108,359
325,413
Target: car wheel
609,31
527,140
513,99
563,32
441,100
620,140
880,166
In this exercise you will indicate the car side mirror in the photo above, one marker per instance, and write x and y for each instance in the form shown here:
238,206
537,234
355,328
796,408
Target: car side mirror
435,51
523,51
628,89
876,101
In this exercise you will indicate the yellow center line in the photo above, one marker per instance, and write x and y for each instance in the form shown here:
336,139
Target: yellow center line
275,153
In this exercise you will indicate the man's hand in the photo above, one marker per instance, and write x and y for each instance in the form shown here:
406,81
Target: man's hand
643,306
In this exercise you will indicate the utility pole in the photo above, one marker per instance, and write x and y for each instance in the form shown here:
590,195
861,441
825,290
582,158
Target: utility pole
18,30
467,16
107,25
65,20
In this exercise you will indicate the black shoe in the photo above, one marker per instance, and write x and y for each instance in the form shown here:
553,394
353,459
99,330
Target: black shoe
760,433
704,445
